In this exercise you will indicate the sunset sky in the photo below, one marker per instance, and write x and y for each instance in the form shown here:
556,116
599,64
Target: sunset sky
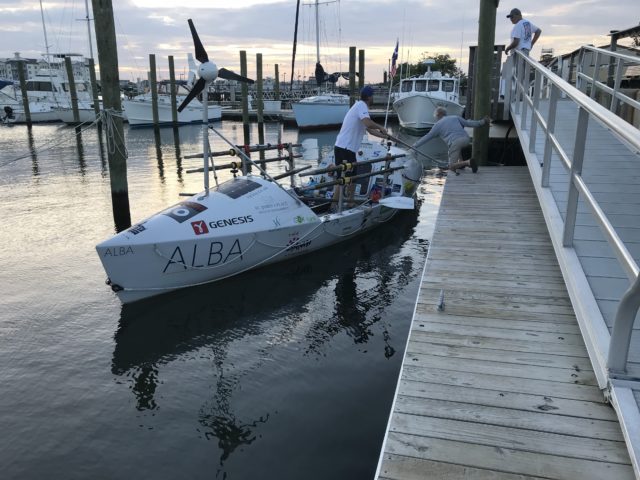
267,27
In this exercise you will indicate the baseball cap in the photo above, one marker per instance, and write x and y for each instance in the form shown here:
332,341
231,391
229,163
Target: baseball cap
366,92
514,12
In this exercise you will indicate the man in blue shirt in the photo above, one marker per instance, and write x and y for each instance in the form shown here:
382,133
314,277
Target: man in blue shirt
451,130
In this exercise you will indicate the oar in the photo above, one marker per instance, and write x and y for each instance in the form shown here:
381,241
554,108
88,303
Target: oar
401,203
397,140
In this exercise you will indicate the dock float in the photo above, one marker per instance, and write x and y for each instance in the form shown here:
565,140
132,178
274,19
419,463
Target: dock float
496,383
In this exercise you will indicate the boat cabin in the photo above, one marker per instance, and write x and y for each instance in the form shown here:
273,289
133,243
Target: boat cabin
433,84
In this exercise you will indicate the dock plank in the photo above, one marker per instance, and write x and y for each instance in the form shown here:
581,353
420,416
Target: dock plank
499,384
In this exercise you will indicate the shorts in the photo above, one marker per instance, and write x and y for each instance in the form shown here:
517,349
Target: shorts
343,155
455,149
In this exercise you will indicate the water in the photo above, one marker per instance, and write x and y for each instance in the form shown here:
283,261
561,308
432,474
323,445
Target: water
286,372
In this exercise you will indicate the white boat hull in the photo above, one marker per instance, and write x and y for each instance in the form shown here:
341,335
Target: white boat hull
242,224
319,115
86,115
139,112
39,113
416,111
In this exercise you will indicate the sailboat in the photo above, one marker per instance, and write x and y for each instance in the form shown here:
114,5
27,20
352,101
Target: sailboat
252,220
324,109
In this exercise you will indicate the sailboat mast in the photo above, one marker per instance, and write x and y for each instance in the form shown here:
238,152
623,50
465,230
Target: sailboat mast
44,29
86,9
317,34
46,47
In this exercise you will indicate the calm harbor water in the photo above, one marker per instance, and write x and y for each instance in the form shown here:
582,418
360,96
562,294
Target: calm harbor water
286,372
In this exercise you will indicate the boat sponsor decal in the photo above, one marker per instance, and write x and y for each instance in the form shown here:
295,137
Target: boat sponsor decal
295,245
118,252
136,229
228,222
272,207
183,211
302,219
276,221
202,256
199,227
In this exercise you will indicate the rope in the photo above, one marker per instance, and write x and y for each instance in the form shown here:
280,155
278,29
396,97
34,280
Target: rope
107,116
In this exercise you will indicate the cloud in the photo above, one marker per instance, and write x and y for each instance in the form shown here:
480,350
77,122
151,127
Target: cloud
267,26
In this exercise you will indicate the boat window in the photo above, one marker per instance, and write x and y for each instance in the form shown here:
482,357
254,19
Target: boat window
39,86
434,85
447,85
238,187
421,85
406,86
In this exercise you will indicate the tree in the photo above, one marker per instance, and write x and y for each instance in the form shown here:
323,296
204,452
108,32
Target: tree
442,63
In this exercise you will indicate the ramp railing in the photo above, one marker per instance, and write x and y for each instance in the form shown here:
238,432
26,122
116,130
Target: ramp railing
528,86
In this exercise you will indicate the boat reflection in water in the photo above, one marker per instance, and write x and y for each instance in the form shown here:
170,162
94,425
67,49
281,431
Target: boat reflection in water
302,336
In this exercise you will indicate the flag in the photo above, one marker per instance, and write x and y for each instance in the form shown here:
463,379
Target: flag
394,58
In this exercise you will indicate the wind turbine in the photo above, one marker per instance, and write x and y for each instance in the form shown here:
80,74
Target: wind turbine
208,72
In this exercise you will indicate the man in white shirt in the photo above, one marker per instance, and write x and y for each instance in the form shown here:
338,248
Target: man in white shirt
524,34
355,123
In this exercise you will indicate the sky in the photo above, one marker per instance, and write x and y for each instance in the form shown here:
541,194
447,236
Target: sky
427,27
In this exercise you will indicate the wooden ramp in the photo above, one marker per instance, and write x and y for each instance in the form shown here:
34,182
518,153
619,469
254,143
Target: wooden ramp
499,384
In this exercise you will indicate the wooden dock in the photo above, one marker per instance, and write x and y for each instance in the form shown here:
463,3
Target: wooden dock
499,384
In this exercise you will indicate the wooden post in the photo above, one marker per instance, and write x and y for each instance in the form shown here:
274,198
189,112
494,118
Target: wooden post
360,70
72,90
25,96
153,85
276,85
176,144
245,108
172,81
482,87
352,75
260,105
94,87
108,59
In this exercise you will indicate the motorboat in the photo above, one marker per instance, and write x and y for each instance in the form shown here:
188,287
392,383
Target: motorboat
47,92
139,109
86,115
255,219
419,96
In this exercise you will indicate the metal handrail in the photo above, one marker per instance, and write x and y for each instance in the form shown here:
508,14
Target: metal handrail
628,307
620,59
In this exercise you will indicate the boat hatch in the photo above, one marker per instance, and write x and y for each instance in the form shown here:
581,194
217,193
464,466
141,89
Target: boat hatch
237,187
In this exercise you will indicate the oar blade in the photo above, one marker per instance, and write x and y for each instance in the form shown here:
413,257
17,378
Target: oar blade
400,203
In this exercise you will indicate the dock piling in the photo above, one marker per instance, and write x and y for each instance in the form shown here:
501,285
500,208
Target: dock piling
23,89
153,84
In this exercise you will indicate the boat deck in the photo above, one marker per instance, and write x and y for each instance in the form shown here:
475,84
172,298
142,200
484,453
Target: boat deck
499,384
